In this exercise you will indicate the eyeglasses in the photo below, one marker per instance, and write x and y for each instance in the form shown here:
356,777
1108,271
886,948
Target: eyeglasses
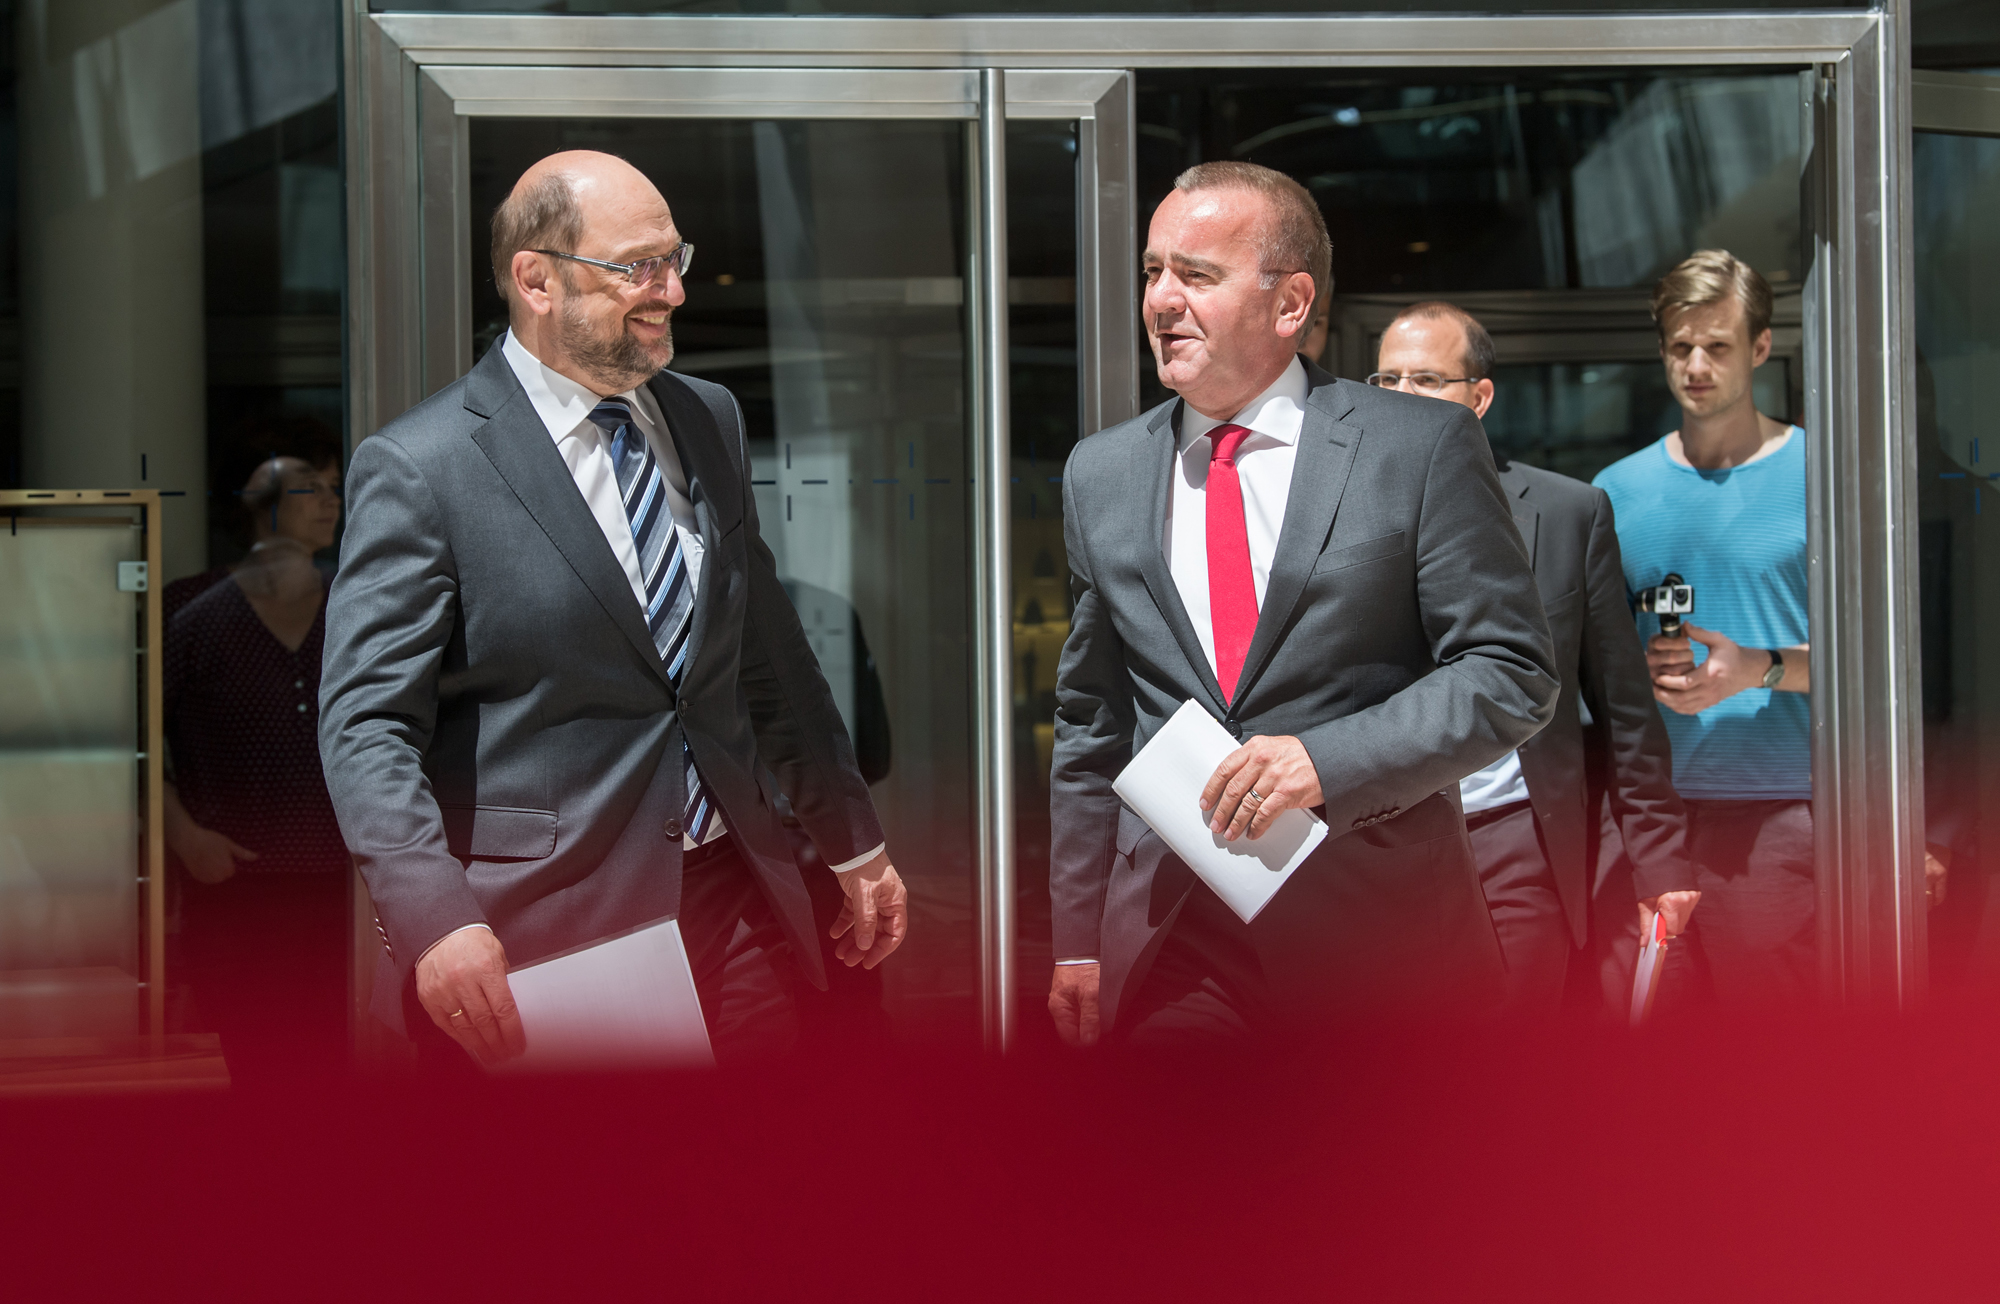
1424,382
642,273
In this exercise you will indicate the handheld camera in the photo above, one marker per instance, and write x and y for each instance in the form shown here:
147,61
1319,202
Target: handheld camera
1671,599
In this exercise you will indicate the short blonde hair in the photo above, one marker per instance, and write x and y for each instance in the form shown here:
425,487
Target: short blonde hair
1294,240
1709,276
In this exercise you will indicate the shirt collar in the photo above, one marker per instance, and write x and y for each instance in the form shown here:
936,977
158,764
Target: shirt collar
1279,413
563,405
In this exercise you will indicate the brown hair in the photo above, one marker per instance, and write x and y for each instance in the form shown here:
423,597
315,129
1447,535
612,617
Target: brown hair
1479,356
1294,239
544,215
1710,276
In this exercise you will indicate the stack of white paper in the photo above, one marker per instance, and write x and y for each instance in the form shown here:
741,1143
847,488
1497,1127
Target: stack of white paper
627,1002
1163,784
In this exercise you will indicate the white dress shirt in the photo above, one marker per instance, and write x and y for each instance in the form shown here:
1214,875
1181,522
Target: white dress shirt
565,407
1499,784
1264,468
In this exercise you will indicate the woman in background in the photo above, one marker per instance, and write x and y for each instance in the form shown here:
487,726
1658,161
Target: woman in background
264,875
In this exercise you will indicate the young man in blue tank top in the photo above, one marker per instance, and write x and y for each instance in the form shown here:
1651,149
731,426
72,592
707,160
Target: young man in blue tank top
1722,503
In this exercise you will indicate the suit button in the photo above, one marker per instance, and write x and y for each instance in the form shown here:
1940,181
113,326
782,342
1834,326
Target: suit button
673,829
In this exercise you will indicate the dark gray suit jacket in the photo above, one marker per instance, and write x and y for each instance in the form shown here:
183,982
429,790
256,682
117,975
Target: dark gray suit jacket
1568,529
1400,640
500,739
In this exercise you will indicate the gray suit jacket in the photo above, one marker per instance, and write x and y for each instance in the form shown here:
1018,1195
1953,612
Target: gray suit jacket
1400,640
500,739
1568,529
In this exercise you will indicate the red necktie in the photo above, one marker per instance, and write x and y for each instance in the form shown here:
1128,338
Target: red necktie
1232,590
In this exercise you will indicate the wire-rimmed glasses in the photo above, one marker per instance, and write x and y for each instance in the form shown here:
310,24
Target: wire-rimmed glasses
1424,382
642,273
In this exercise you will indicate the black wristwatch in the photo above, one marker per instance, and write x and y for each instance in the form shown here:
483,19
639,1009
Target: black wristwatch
1776,673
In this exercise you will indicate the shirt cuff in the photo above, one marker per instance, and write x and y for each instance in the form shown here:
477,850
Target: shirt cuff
1082,959
453,933
860,860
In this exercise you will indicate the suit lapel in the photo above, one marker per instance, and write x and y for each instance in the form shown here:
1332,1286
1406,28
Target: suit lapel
518,444
1161,449
1319,477
1527,519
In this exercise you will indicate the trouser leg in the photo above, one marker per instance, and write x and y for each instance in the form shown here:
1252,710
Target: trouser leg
1615,940
1205,985
743,967
1520,891
1756,924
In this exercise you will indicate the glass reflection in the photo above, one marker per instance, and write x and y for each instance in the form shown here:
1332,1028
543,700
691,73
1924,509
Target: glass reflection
1041,246
1957,259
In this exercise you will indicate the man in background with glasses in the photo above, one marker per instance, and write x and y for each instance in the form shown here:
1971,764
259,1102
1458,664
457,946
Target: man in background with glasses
558,650
1531,812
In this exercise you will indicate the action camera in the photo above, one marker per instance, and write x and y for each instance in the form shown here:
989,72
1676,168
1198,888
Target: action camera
1670,600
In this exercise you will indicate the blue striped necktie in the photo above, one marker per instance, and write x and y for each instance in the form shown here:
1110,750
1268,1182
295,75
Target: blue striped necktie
662,564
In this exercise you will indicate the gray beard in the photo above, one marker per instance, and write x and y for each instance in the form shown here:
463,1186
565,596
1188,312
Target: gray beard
620,359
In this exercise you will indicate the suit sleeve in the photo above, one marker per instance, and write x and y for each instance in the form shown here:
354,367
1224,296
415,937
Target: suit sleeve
1094,725
1639,763
393,608
1495,681
800,734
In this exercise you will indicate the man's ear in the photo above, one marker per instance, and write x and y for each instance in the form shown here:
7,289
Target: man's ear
1295,304
530,273
1760,349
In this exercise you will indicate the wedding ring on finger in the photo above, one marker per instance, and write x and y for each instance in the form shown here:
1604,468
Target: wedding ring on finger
456,1014
1255,796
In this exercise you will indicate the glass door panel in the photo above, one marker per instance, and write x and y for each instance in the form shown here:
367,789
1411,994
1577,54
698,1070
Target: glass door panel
1048,418
829,296
69,780
1956,192
840,215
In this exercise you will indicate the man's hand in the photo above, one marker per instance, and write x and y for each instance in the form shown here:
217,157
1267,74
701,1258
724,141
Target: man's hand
462,982
876,915
1936,868
1676,906
209,856
1680,685
1255,782
1073,1003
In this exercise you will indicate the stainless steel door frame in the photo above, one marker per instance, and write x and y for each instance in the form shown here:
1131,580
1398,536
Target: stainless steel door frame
1868,780
1868,806
1136,41
411,300
1957,103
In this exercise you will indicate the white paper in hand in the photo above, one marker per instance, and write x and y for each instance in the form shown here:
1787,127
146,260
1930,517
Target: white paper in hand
627,1002
1646,974
1163,784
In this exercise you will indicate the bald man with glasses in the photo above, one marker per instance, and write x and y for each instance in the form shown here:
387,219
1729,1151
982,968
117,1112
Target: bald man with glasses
1532,812
558,655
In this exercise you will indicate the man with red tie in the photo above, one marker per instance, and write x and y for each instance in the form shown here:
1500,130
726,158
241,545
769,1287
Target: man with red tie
1331,570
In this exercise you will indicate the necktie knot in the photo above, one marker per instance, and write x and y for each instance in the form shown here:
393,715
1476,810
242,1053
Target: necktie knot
615,419
610,414
1227,439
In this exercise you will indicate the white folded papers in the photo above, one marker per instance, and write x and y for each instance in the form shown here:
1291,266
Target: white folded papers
627,1002
1163,784
1646,975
